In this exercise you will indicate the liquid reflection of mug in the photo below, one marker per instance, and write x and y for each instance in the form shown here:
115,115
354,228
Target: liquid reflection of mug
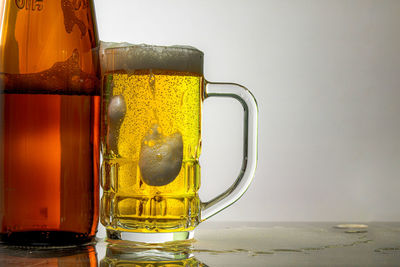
131,256
53,257
151,140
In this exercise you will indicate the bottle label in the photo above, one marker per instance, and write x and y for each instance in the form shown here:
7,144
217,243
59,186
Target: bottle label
80,4
30,4
38,4
70,10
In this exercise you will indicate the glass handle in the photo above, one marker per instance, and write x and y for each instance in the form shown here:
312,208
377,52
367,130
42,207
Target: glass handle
237,189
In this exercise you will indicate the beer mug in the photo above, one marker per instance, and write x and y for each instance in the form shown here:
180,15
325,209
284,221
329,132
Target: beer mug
150,139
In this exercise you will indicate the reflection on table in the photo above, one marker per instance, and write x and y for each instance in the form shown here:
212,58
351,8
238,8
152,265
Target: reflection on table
84,256
235,244
136,254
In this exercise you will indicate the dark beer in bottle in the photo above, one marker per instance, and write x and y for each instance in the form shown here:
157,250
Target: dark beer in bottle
49,122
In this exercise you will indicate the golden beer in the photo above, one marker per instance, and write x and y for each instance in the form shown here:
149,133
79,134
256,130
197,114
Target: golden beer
151,145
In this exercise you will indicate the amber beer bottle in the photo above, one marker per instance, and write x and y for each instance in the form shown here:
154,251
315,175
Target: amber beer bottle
49,122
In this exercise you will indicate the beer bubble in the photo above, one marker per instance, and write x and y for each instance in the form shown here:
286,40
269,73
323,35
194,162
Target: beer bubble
160,162
152,84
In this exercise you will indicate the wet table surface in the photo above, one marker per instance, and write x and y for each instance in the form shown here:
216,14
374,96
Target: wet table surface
235,244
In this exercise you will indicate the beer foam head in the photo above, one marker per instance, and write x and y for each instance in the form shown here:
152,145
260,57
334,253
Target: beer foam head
129,57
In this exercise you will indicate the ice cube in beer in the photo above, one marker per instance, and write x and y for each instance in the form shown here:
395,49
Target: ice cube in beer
160,157
116,115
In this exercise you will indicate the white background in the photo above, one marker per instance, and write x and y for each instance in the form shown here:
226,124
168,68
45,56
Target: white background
326,75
